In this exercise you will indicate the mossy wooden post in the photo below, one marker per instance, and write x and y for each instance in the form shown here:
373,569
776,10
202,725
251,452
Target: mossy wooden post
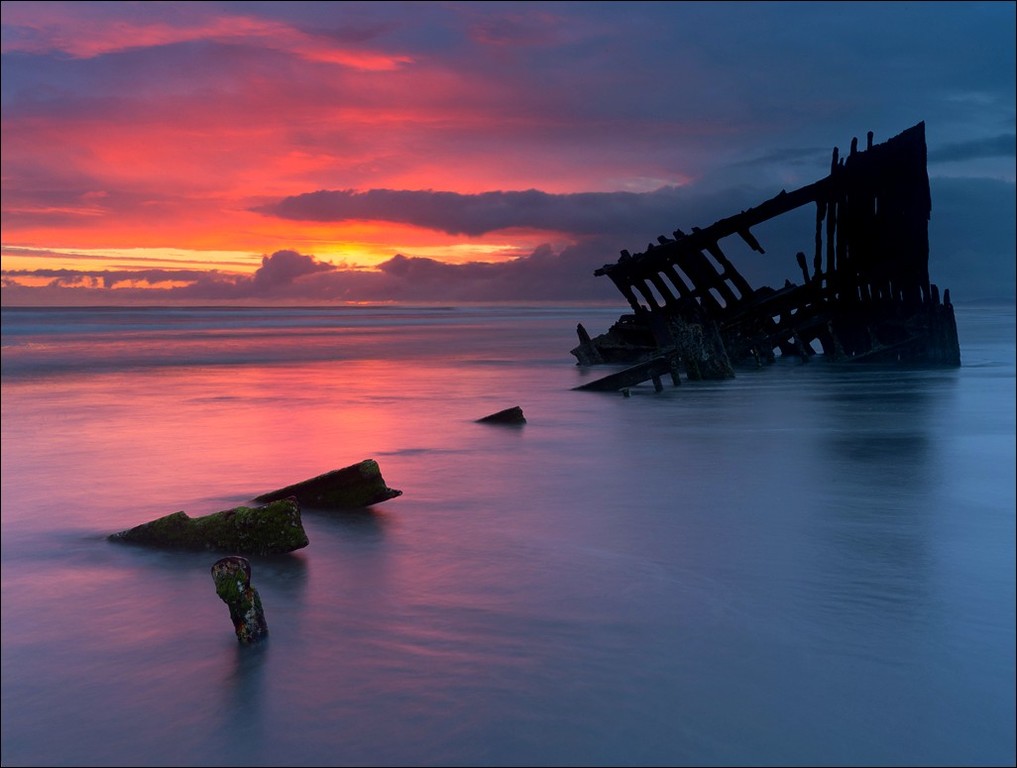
232,577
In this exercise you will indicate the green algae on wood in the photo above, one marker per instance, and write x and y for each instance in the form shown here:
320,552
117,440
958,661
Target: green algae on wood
267,530
359,485
232,577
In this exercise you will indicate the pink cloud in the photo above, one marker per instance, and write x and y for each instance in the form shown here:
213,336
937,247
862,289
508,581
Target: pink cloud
83,32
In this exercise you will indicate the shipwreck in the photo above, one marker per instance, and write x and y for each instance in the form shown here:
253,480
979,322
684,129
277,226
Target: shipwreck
866,298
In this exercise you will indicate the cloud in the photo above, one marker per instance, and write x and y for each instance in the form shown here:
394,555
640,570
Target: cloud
531,27
973,238
972,235
108,278
584,213
276,273
603,125
1004,145
288,276
84,31
227,103
282,268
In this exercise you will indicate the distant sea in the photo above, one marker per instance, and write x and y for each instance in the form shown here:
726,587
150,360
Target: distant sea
809,564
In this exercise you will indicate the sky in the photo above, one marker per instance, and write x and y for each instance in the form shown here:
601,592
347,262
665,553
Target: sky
328,152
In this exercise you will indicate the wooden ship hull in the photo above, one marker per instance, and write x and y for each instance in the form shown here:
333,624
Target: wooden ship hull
867,297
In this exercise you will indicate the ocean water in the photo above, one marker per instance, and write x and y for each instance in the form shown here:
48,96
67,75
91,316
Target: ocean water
806,565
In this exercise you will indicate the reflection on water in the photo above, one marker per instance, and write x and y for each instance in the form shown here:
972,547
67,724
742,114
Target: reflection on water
805,565
242,712
364,526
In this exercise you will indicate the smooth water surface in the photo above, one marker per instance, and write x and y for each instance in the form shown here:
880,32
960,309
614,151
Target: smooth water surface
808,564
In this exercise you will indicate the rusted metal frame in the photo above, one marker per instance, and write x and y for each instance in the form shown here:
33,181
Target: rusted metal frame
647,266
668,270
704,277
750,240
729,272
740,223
639,284
800,317
817,259
874,206
882,224
760,306
829,204
621,283
669,298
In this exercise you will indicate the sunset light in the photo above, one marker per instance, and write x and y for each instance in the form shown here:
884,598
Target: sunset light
206,137
450,383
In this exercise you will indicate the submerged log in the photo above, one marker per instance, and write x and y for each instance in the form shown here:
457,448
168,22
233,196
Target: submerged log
272,529
232,577
359,485
513,415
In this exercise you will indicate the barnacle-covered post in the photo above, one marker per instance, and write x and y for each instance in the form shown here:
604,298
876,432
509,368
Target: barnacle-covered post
232,577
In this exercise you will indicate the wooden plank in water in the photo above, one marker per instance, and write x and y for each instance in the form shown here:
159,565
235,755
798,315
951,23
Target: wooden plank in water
630,377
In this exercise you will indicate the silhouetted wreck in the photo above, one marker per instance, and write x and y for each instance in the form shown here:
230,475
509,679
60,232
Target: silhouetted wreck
867,297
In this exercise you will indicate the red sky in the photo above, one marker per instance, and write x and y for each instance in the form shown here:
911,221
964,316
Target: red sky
289,151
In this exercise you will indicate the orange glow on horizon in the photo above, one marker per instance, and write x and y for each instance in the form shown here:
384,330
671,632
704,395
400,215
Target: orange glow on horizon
356,245
189,120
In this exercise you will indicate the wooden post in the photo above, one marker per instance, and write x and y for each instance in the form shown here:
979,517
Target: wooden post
232,577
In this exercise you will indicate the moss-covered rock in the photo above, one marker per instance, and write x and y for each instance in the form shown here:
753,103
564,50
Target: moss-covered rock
271,529
232,577
359,485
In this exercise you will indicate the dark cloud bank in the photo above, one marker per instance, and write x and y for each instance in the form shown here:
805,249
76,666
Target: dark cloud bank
972,233
587,213
972,230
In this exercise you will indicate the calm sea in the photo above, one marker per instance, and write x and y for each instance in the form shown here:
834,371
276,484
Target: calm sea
806,565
